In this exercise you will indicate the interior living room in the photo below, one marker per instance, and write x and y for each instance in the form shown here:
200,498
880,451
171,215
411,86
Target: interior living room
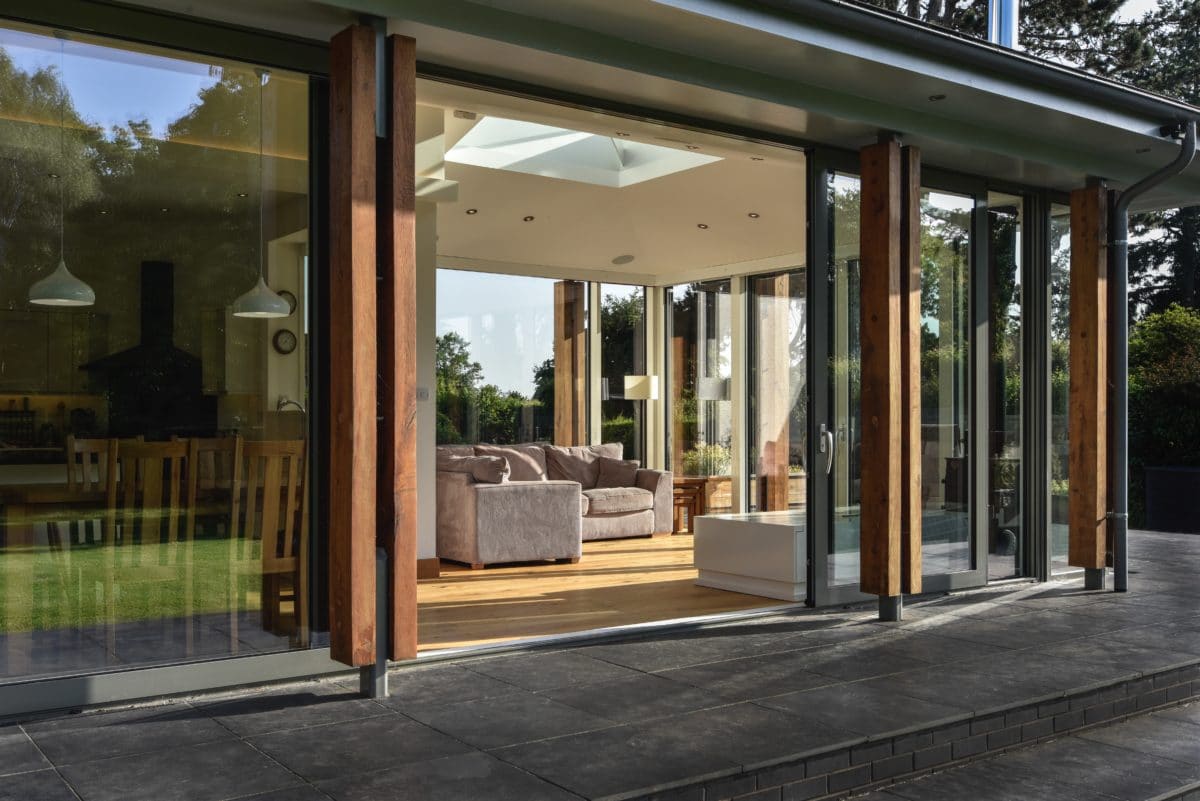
620,348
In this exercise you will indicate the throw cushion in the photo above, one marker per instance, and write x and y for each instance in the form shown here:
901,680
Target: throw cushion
485,469
525,462
579,462
617,472
614,500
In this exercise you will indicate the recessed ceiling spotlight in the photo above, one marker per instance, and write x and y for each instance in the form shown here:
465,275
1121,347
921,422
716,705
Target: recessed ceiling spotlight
625,259
472,211
529,218
1142,150
756,158
623,133
754,215
53,175
103,211
464,115
936,98
702,225
164,209
243,194
693,147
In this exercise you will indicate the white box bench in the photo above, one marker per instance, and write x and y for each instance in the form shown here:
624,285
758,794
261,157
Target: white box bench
761,553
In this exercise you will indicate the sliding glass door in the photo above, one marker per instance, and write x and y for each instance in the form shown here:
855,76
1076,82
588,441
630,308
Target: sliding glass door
952,322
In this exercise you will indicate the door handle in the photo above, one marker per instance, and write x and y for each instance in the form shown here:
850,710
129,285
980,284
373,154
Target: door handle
827,446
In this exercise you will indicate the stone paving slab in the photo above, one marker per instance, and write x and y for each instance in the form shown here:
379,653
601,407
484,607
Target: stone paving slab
802,704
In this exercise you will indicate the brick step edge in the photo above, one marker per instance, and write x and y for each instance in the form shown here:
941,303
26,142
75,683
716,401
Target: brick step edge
884,761
1189,793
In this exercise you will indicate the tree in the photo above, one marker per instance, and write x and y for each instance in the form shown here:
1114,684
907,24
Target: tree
455,369
1082,33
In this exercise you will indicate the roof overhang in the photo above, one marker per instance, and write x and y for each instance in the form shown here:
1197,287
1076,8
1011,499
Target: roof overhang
817,72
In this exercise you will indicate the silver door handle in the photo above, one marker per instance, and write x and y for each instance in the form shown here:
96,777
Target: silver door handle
827,446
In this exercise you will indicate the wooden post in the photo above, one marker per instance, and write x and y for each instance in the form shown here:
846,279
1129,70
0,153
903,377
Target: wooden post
570,363
773,366
910,368
398,349
352,333
881,460
1088,394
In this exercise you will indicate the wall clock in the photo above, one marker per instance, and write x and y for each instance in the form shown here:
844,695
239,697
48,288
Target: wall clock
284,341
290,298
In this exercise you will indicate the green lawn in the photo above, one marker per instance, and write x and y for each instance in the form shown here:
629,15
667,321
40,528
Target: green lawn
42,588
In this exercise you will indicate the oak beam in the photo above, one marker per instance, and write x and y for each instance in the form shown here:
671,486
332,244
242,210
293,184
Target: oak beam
774,407
881,459
397,305
570,363
1088,393
352,350
910,369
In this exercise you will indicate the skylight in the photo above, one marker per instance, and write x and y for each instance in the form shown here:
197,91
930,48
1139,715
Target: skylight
535,149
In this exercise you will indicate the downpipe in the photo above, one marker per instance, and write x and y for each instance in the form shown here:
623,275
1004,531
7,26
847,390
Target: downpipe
1118,243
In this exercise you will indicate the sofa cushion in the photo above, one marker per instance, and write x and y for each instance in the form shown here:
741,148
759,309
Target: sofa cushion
456,450
579,462
614,500
616,472
525,462
484,469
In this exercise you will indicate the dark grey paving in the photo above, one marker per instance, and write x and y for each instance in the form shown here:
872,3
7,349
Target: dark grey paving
475,776
357,746
1047,671
753,677
1025,631
42,785
1165,637
747,734
205,772
862,660
549,670
959,686
864,708
702,646
507,719
616,761
985,781
18,753
302,793
1156,736
1120,772
441,684
639,697
1189,713
83,738
1120,655
289,709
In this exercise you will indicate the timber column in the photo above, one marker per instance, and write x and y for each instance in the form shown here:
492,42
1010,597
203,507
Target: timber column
890,537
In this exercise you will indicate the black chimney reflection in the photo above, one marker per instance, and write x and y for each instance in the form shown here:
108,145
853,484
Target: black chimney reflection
154,388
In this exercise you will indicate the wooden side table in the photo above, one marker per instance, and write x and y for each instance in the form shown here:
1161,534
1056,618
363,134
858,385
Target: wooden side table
690,500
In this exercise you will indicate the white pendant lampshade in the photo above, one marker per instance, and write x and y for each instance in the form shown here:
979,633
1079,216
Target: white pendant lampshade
261,302
641,387
60,288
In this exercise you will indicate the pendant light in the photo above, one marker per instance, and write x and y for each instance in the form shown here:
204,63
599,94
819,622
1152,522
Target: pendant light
60,288
261,301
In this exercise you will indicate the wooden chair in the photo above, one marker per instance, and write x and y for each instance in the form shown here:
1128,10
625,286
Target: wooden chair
211,467
269,531
87,464
149,521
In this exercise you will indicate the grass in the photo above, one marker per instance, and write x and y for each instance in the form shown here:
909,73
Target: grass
88,585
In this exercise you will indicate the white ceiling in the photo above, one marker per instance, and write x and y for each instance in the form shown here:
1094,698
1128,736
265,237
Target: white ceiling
579,228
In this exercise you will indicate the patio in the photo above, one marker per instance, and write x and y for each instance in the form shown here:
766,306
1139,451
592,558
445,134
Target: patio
799,705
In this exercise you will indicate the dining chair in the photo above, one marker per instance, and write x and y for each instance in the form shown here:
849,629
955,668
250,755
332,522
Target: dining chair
269,533
149,525
211,467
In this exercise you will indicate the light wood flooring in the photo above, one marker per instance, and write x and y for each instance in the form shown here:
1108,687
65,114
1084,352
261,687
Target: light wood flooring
616,583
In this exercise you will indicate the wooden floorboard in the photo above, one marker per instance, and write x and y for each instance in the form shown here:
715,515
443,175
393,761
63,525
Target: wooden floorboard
616,583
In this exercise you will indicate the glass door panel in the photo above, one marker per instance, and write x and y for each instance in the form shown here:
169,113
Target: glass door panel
946,225
778,385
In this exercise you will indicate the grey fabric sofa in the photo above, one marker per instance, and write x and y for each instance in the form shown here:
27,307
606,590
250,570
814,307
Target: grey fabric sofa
550,500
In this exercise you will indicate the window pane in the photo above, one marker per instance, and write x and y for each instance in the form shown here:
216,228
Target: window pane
700,347
496,368
1060,379
622,353
945,392
154,460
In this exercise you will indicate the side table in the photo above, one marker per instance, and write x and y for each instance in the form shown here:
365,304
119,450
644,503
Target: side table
690,495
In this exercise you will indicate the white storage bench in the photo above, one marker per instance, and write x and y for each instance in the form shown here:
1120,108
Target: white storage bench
761,553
